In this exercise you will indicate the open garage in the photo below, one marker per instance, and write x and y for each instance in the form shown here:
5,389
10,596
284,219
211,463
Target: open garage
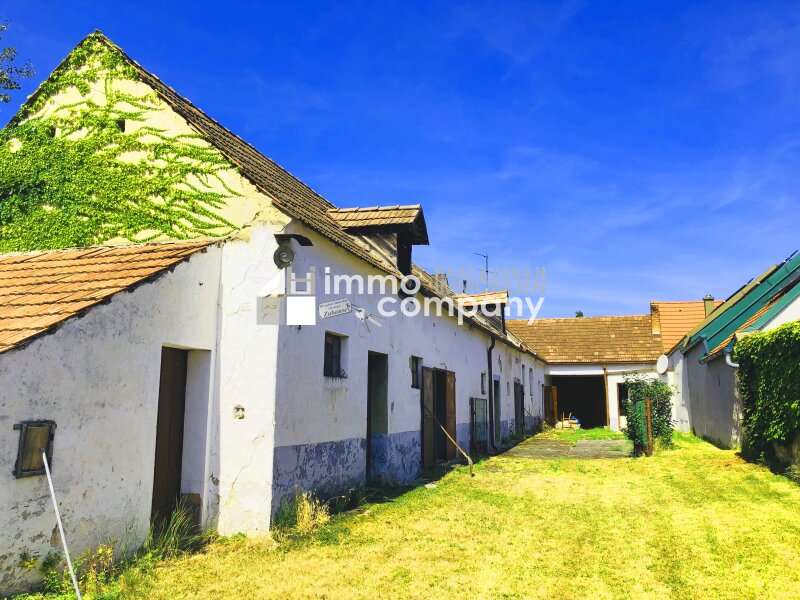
583,397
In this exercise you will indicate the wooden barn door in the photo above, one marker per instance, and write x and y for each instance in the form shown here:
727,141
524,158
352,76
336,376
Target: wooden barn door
450,404
519,408
169,433
551,404
428,424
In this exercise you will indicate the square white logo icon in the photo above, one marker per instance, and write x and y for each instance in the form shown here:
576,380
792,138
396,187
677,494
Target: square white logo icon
301,310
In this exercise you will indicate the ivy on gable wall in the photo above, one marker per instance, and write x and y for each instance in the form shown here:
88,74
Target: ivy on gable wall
769,387
94,170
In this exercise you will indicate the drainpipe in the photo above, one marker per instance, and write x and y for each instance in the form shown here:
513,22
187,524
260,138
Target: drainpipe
729,360
490,383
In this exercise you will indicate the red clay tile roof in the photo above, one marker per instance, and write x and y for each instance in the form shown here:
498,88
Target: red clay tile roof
678,318
41,290
626,339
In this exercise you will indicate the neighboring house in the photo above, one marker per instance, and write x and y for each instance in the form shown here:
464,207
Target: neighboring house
588,359
672,321
164,366
700,363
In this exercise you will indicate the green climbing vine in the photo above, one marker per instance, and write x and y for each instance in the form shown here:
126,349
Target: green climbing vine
93,170
769,387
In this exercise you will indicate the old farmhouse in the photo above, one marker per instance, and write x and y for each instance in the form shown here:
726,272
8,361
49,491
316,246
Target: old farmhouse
172,355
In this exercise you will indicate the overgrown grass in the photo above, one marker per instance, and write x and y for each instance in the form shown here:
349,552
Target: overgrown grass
692,522
106,574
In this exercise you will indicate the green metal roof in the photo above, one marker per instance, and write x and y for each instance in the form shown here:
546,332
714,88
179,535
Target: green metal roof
745,302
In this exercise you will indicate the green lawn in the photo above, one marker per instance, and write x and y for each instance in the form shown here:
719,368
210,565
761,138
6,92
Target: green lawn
693,522
575,435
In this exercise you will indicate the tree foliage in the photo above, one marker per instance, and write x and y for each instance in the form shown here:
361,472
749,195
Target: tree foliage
769,387
660,394
10,72
93,169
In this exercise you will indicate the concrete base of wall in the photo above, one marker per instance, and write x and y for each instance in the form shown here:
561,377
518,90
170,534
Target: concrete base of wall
327,469
396,458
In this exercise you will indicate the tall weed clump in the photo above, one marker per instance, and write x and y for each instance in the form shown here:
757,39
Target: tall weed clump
302,514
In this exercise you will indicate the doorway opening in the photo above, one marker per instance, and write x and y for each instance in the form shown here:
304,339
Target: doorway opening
583,397
180,461
169,433
438,412
377,414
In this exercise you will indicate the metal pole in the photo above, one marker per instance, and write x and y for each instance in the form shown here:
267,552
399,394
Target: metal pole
61,527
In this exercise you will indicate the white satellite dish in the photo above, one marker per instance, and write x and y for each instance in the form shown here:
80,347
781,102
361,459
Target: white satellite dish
662,364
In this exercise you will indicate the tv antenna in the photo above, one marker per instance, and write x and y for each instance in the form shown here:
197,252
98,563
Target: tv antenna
486,270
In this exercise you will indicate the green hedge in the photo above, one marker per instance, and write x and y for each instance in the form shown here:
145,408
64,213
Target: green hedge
769,387
660,393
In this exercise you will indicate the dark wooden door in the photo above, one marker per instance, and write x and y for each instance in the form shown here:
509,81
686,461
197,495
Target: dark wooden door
428,424
169,433
551,404
450,408
519,407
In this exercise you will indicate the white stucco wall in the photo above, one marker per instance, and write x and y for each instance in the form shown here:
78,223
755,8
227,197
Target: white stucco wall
790,313
677,378
97,377
713,402
313,410
246,371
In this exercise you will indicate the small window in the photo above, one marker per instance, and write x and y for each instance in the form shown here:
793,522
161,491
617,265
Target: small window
483,382
333,356
530,379
34,436
415,364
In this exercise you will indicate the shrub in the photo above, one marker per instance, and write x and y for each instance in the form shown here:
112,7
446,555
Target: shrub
769,388
660,394
303,513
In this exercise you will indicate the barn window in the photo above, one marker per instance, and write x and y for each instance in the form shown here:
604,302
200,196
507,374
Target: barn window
333,355
34,437
416,371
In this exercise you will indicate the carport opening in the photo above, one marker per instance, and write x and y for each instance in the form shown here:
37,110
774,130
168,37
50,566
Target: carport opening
584,397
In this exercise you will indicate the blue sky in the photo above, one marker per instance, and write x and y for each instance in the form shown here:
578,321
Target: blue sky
635,152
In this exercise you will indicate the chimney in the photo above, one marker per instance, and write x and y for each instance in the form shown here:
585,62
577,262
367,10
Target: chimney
708,303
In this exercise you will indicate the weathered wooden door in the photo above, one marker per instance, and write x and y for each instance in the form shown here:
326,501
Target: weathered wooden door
519,407
169,433
428,423
450,404
551,404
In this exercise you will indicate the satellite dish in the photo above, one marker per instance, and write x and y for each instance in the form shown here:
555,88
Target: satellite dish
662,364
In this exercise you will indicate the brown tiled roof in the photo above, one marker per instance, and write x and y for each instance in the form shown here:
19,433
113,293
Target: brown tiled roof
482,299
288,193
41,290
627,339
678,318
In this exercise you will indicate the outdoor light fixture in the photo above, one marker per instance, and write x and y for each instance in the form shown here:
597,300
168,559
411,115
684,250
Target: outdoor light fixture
34,437
284,255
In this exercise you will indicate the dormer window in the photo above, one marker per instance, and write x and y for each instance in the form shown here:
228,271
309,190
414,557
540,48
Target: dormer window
406,223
